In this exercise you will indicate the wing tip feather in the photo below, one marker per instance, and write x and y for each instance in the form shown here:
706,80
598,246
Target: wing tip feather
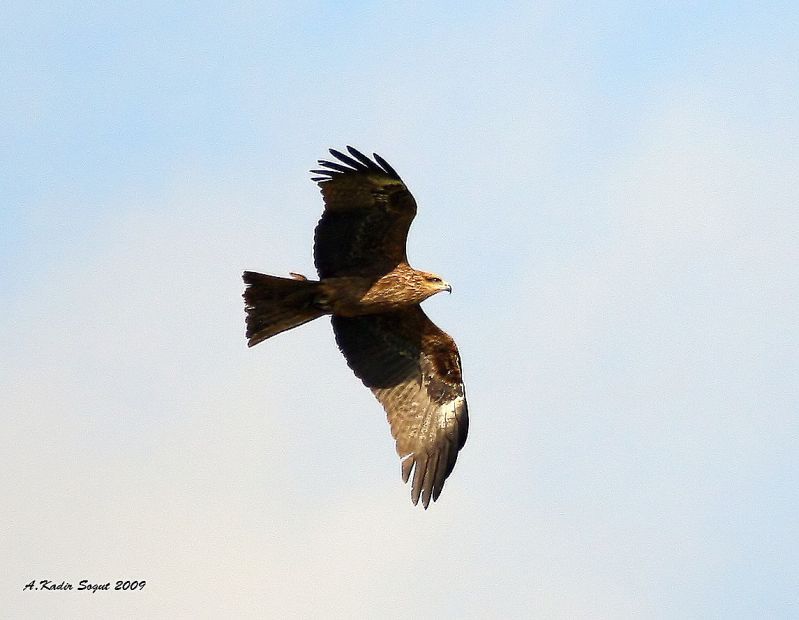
430,472
354,163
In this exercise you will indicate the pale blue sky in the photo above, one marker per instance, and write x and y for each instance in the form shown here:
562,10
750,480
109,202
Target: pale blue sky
612,193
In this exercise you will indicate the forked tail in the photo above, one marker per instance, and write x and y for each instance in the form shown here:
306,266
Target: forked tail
275,304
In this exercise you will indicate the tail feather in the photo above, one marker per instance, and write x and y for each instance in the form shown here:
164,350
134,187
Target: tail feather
275,304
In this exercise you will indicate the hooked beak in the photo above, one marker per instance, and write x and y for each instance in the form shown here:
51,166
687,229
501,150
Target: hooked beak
448,288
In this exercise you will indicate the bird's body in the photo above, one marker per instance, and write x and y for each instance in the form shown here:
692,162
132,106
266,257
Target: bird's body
373,296
401,287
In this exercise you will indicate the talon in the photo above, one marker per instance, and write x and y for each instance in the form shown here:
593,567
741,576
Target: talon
297,276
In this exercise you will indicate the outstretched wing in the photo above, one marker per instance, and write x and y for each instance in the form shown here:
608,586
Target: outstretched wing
414,370
368,211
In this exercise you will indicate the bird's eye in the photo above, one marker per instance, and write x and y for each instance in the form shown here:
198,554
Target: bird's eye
434,279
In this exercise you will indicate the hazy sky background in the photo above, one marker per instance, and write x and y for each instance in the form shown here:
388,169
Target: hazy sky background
612,192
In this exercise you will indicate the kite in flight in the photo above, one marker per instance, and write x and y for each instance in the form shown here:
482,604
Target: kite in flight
373,297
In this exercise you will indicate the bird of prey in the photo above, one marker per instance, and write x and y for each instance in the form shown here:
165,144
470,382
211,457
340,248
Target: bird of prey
373,296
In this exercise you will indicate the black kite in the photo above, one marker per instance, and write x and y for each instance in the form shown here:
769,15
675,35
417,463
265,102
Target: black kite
373,297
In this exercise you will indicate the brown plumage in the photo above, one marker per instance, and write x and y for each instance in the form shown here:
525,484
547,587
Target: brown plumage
373,297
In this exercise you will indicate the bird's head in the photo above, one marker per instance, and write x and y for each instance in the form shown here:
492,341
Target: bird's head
433,283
